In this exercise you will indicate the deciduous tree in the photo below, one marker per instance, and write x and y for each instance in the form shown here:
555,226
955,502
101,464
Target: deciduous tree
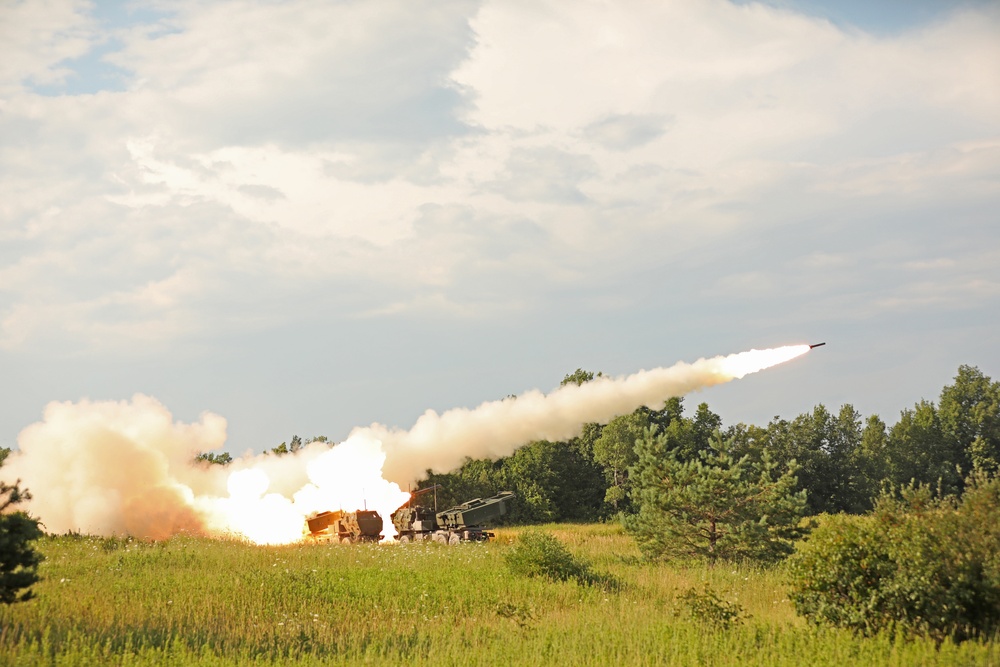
615,450
969,412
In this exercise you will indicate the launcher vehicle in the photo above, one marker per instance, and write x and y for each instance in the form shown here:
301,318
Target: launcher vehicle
462,523
346,527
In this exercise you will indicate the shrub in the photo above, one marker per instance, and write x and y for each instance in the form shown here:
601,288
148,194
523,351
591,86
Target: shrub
706,606
918,564
537,554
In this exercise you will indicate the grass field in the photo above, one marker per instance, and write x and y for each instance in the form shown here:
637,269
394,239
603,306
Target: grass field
197,601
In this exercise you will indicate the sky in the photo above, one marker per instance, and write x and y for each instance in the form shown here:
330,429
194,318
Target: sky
306,217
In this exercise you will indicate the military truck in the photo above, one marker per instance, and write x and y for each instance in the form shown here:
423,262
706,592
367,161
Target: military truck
346,527
462,523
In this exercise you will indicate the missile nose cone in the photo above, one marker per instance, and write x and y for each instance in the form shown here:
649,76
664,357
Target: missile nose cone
816,345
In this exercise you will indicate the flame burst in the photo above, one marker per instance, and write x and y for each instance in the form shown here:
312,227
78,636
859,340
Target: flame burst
348,477
126,467
738,365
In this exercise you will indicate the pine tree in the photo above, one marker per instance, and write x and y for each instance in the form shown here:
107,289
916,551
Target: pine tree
714,506
18,560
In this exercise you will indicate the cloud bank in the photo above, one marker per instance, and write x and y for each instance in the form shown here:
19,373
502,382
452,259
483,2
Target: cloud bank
264,149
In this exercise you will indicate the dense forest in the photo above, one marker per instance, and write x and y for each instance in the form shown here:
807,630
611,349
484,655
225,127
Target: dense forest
843,459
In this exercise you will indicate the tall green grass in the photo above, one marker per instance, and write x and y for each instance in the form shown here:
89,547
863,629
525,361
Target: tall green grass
203,602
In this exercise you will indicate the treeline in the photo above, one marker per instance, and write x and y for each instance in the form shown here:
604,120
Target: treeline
843,459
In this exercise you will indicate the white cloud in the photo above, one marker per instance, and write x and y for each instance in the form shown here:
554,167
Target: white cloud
460,160
247,73
36,36
626,131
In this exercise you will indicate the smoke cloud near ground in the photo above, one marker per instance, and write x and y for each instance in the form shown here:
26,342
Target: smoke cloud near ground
126,467
116,467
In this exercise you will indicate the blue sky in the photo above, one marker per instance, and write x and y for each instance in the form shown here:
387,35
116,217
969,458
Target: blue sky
881,17
306,217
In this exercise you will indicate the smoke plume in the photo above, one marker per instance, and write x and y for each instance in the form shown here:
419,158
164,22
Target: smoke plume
128,468
441,442
116,467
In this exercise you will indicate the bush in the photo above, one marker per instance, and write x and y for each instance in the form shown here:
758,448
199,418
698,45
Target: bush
537,554
708,607
917,564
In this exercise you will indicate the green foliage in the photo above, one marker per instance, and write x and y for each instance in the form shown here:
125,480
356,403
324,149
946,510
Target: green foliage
296,445
714,507
827,451
222,459
578,377
873,458
18,559
552,481
615,451
921,564
918,451
706,606
538,554
970,420
837,574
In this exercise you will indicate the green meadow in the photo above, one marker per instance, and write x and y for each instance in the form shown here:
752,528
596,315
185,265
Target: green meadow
193,601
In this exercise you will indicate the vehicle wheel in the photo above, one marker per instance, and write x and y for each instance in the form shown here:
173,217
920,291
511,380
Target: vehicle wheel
440,538
345,540
454,539
405,539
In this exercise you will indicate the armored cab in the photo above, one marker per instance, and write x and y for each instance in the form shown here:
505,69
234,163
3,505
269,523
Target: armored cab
414,523
346,527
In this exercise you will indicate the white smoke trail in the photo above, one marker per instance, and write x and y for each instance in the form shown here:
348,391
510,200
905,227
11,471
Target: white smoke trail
127,467
442,442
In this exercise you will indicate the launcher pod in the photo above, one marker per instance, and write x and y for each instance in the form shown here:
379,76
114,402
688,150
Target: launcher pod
346,527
